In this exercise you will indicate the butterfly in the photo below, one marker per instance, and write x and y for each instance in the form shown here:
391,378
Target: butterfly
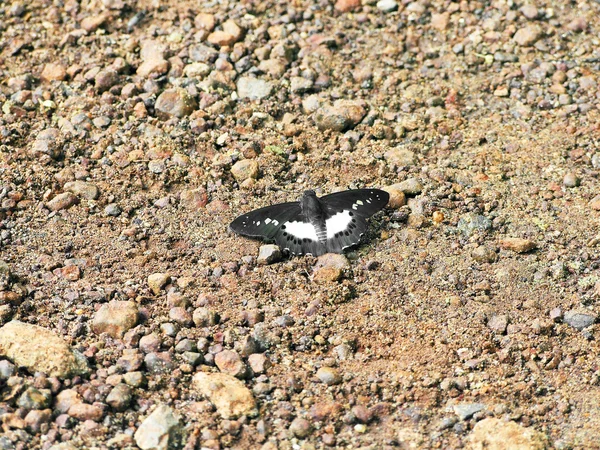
314,225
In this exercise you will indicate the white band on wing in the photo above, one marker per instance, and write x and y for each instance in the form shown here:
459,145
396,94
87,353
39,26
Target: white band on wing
302,230
338,222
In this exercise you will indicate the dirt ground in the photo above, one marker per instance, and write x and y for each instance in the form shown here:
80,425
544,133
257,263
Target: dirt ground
132,133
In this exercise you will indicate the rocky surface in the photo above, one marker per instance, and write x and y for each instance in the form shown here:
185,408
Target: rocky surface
131,134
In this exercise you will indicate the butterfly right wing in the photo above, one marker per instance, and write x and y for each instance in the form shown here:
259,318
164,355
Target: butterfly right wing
284,224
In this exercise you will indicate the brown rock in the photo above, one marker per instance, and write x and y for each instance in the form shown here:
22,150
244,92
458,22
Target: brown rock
205,21
115,318
229,395
330,267
157,281
495,434
397,196
65,399
175,102
62,201
194,198
347,5
341,116
528,35
517,245
259,363
440,21
48,142
244,169
229,362
83,189
92,23
595,203
221,38
83,411
36,418
53,72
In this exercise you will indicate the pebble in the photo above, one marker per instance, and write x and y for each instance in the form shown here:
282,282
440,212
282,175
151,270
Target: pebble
253,88
259,363
465,411
498,323
134,379
83,412
53,72
245,169
7,369
484,254
330,267
397,196
181,316
159,363
92,23
528,35
229,395
387,5
34,398
580,319
105,79
595,203
161,430
36,418
301,428
154,63
112,210
329,376
83,189
175,102
205,21
115,318
300,85
411,186
65,399
119,398
400,157
347,5
571,180
492,433
40,350
471,223
229,362
193,198
517,245
341,116
268,254
62,201
204,317
556,314
157,281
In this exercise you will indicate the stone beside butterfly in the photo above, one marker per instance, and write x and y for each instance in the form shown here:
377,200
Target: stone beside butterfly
330,224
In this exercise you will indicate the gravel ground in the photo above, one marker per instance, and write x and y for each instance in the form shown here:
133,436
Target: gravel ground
132,133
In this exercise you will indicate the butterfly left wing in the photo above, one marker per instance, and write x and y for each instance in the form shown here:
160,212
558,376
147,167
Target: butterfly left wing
284,224
347,214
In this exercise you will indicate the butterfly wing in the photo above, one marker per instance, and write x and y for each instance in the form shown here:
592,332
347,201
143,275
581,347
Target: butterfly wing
347,213
284,224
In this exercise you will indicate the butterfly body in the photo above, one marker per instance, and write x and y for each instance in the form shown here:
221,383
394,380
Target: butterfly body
314,225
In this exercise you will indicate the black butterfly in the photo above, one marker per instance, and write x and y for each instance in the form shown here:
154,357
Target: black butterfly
329,224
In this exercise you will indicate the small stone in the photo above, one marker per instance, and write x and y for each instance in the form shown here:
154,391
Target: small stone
528,35
401,157
205,21
62,201
517,245
35,418
221,38
119,397
105,79
330,267
556,314
83,412
92,23
53,72
397,196
465,411
259,363
154,63
157,281
115,318
496,434
229,362
194,198
343,352
268,254
471,223
577,25
571,180
484,254
530,11
411,186
175,102
498,323
341,116
65,399
83,189
329,376
387,5
40,350
204,317
7,369
580,319
347,5
161,430
285,321
229,395
112,210
181,316
134,379
196,70
440,21
34,398
300,85
301,428
595,203
253,88
245,169
159,363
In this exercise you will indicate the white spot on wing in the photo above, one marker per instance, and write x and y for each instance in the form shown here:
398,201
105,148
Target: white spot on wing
301,230
359,202
267,221
338,222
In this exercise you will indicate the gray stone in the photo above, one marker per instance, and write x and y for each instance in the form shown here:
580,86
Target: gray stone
387,5
580,319
119,397
253,88
83,189
465,411
7,369
471,223
329,376
161,430
269,254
